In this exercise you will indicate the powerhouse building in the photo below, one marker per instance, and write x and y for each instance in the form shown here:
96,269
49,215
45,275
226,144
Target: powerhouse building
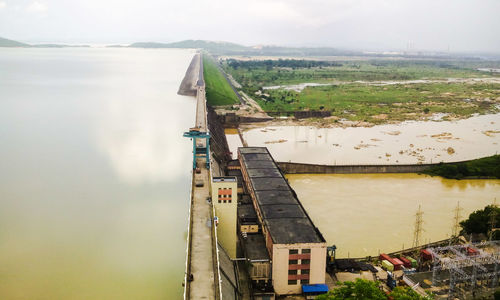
295,246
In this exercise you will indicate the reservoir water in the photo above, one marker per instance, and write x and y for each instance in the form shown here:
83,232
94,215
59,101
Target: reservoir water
94,173
364,214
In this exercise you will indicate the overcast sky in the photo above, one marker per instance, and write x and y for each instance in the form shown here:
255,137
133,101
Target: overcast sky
462,25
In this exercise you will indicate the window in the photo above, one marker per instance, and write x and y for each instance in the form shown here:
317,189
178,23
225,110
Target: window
303,281
292,272
292,282
294,251
293,262
304,271
306,251
305,261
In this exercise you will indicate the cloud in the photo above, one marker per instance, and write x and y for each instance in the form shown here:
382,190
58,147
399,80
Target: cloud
2,4
37,7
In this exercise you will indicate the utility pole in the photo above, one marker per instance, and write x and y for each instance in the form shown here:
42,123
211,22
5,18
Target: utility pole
418,227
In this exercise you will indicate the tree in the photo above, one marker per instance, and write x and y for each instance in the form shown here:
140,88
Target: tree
406,293
362,289
358,290
480,221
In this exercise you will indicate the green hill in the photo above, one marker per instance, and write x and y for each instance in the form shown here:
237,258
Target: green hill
11,43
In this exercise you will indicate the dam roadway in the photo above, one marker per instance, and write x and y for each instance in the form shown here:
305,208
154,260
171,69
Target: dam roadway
202,277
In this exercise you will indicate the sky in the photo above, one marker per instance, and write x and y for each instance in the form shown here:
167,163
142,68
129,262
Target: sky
440,25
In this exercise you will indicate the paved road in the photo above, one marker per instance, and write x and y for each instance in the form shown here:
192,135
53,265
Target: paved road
203,284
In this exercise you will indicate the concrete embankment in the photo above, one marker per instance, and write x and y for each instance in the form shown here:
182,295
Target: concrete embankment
188,84
299,168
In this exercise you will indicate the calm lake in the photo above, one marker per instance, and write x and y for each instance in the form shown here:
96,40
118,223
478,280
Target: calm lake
94,173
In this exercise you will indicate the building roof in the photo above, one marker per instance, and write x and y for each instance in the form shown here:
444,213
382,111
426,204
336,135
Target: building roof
255,247
293,231
246,212
315,288
282,213
224,179
245,150
275,197
265,172
269,184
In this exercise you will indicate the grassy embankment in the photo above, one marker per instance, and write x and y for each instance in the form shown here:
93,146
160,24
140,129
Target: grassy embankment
487,167
218,90
356,101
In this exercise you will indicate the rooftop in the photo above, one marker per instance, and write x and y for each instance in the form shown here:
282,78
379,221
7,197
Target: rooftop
246,212
226,179
282,212
255,247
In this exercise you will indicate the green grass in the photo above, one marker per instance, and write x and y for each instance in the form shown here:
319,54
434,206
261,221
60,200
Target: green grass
362,102
483,167
218,90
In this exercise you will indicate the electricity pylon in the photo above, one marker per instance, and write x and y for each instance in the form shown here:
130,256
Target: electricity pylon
418,227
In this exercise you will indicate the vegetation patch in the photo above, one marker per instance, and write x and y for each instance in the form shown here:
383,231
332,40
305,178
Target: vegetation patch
218,91
487,167
254,74
362,289
483,221
373,91
379,103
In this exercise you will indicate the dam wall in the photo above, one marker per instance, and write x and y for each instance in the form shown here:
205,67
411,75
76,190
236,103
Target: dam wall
301,168
188,84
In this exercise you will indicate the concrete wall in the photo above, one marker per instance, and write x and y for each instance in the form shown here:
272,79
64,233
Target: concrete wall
280,266
227,215
299,168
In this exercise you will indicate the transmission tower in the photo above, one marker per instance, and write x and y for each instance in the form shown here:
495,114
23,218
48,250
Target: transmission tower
418,227
493,218
456,221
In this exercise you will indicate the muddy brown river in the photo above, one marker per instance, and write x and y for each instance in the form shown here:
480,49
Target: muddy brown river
405,143
364,214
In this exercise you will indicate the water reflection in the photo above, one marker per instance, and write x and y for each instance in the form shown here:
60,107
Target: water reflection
140,137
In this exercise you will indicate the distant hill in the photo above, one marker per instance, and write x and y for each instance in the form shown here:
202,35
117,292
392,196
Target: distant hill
11,43
214,47
226,48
